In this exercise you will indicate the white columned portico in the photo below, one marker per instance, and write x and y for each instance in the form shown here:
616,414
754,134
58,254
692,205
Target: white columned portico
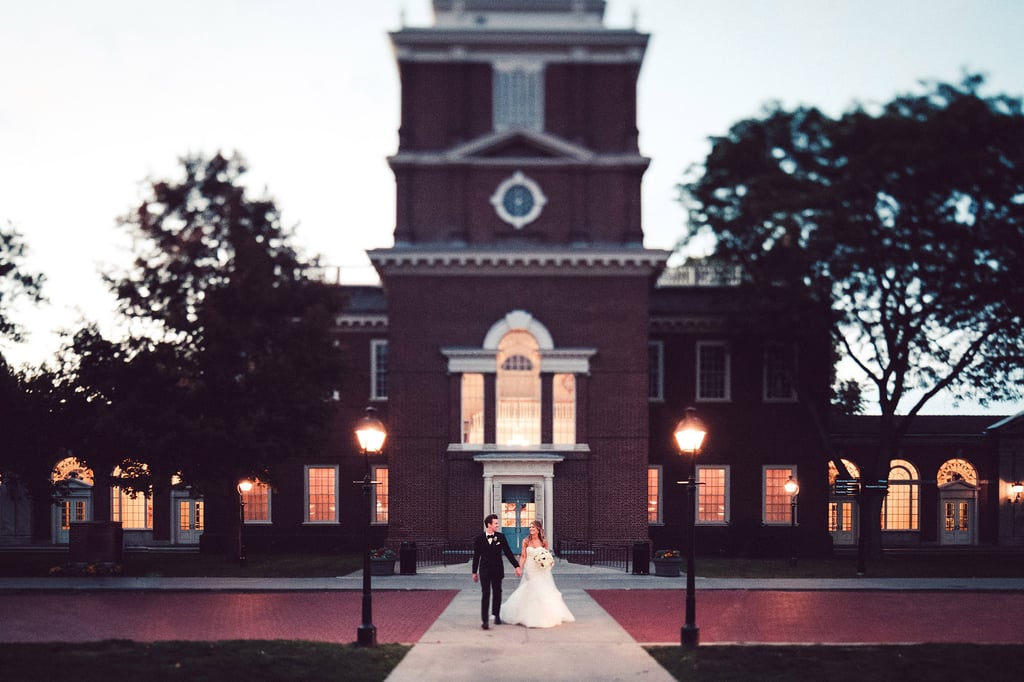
535,469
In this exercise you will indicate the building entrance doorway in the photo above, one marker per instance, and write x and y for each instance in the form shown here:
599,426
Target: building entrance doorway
842,524
518,510
958,502
188,522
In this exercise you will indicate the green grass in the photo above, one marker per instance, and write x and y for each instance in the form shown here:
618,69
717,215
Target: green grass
197,661
933,662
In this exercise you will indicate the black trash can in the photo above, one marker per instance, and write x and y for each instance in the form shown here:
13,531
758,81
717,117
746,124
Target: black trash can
407,558
641,558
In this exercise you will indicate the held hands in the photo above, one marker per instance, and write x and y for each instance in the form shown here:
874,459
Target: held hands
519,571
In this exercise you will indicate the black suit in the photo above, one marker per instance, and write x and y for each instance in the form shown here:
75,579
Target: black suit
490,568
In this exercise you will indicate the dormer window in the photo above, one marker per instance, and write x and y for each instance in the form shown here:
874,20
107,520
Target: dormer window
519,96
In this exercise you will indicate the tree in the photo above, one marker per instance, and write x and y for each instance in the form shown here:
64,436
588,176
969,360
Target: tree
229,367
908,221
15,282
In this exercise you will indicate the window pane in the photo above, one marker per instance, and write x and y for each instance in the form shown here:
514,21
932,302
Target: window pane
518,389
565,409
711,495
472,408
321,487
712,372
654,495
380,504
518,97
778,374
378,369
655,370
777,508
257,503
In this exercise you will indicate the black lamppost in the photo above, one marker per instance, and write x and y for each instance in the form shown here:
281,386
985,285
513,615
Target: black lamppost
371,434
689,434
243,487
792,488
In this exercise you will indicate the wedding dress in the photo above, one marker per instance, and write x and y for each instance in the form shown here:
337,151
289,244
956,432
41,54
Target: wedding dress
536,603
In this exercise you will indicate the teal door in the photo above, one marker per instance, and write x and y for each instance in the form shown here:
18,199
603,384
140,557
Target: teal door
517,513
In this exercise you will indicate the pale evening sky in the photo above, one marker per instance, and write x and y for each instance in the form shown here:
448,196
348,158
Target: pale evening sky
96,97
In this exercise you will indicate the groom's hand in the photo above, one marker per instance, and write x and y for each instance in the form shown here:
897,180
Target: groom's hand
474,577
519,571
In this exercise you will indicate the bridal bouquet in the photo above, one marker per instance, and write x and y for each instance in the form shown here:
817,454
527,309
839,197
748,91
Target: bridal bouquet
544,559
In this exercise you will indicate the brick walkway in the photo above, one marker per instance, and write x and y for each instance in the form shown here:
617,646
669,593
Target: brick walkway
828,617
649,616
206,616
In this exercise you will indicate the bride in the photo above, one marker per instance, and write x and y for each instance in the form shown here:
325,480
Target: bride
536,603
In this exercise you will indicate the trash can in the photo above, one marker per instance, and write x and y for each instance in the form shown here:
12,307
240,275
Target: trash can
641,558
407,558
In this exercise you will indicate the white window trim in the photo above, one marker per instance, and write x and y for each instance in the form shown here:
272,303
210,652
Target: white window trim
727,397
305,495
727,499
658,349
764,493
375,393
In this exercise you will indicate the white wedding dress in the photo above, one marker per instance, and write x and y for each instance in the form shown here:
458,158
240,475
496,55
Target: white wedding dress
536,603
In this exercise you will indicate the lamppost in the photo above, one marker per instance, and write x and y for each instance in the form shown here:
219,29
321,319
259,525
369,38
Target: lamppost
689,434
371,434
792,488
243,487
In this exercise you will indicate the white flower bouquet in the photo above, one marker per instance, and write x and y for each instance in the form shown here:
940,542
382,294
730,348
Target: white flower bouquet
544,559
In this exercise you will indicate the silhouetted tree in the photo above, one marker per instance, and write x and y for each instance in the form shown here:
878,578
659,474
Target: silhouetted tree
229,367
907,220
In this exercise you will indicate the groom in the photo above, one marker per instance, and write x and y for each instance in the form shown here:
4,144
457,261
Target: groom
487,550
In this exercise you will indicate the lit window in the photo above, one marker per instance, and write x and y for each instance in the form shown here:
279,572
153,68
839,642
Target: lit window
654,494
957,470
900,507
134,511
257,503
777,502
656,370
518,390
712,371
779,368
518,96
565,409
712,495
321,494
378,369
473,408
380,495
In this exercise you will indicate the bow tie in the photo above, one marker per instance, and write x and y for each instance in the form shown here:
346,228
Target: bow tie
490,538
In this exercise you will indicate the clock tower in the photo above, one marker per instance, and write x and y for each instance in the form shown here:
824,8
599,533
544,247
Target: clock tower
518,286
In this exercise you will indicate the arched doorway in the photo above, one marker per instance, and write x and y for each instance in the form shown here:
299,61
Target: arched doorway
958,503
73,482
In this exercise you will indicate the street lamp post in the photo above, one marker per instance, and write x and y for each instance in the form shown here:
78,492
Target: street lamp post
243,487
792,488
689,434
371,434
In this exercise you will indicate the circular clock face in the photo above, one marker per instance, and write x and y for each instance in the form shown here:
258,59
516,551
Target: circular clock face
518,200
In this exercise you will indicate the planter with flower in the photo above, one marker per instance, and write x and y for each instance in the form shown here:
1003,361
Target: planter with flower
382,561
668,563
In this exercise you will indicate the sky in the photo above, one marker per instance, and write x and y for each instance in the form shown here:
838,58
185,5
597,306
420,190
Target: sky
97,97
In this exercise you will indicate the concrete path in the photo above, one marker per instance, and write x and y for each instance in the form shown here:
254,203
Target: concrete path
595,647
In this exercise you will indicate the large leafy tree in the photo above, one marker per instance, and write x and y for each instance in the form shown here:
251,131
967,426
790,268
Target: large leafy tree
229,367
16,283
907,220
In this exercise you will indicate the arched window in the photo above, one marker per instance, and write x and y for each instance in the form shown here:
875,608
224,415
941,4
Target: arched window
833,472
518,389
900,508
957,470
